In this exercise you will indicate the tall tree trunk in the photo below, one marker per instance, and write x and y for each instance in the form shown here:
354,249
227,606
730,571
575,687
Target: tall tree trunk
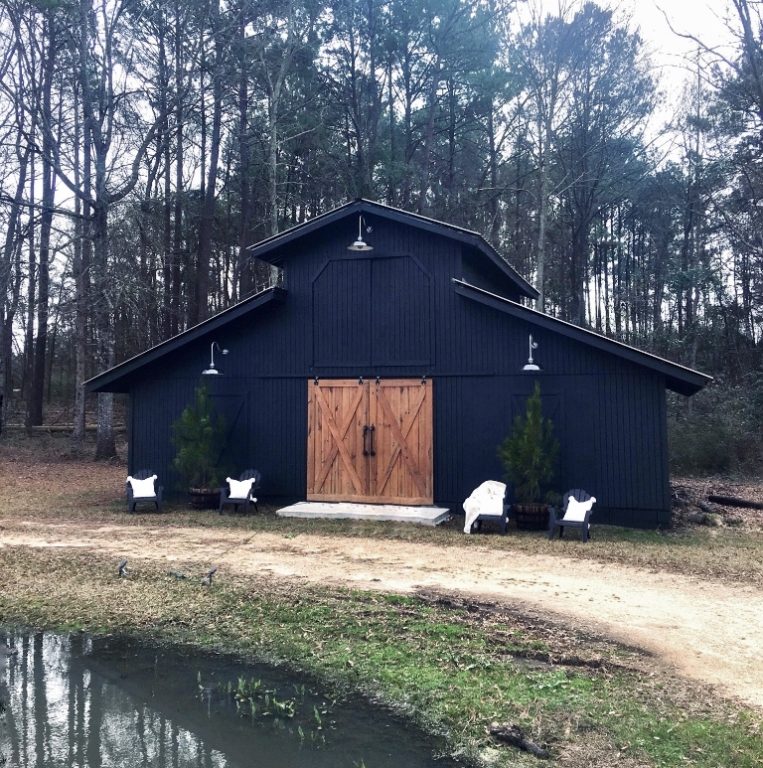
495,223
9,298
200,308
168,310
48,181
6,334
392,160
275,87
82,260
273,167
578,257
31,286
97,105
540,253
177,253
428,138
243,279
451,205
105,447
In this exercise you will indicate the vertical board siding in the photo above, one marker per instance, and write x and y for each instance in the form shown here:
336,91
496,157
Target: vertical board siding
393,313
448,439
156,404
400,313
279,446
342,308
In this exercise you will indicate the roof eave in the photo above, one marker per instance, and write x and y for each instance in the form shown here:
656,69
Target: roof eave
524,286
678,378
116,379
263,247
469,237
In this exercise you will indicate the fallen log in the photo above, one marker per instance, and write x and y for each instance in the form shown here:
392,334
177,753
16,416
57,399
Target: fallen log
732,501
510,733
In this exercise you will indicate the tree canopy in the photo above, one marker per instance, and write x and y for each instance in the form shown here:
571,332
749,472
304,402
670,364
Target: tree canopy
146,144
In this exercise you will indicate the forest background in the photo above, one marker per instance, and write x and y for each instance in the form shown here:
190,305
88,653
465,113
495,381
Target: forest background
144,145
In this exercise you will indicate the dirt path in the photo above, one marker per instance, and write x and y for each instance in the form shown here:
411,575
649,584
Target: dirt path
705,630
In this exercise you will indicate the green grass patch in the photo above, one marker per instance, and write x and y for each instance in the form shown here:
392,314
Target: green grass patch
452,669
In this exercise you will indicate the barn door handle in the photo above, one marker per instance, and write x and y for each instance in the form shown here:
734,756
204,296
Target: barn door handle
368,441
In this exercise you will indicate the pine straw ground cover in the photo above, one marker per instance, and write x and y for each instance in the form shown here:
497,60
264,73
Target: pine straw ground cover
453,667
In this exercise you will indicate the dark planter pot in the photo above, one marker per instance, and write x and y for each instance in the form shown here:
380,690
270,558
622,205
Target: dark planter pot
531,517
204,498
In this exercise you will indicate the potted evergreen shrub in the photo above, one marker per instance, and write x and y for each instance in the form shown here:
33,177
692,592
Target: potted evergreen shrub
198,437
529,455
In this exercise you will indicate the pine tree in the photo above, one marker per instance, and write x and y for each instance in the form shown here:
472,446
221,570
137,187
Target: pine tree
198,436
529,454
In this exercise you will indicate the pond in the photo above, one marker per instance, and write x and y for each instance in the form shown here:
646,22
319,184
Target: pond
95,702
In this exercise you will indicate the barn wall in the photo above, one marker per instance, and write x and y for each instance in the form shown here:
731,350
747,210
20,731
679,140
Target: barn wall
608,414
393,312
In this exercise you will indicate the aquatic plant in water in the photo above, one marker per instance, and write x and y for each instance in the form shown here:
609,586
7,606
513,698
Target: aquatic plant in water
255,700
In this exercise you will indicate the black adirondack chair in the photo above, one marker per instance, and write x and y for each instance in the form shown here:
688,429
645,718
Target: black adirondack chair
140,495
234,495
567,518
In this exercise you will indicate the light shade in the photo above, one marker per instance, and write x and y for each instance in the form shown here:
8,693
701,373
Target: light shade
360,245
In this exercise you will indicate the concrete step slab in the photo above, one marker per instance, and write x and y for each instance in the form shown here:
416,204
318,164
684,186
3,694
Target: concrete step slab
348,511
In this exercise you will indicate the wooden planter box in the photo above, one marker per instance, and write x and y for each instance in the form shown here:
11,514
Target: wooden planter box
204,498
531,517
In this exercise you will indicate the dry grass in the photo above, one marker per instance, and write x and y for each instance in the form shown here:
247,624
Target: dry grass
40,480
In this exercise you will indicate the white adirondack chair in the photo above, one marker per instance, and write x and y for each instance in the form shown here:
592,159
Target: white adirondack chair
486,503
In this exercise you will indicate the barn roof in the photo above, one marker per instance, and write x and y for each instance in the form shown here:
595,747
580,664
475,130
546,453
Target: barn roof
678,378
117,379
269,249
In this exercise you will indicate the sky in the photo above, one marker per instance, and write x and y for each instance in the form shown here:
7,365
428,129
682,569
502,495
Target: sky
658,21
670,54
705,19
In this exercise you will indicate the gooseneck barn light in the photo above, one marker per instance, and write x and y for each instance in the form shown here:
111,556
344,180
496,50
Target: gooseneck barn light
360,244
531,365
212,370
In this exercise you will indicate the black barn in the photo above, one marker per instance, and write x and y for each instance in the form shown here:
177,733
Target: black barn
424,339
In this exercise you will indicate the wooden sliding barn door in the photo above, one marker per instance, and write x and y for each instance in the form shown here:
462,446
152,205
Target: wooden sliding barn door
401,412
337,412
370,441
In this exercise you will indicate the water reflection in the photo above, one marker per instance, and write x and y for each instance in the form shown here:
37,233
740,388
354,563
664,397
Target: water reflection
102,702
